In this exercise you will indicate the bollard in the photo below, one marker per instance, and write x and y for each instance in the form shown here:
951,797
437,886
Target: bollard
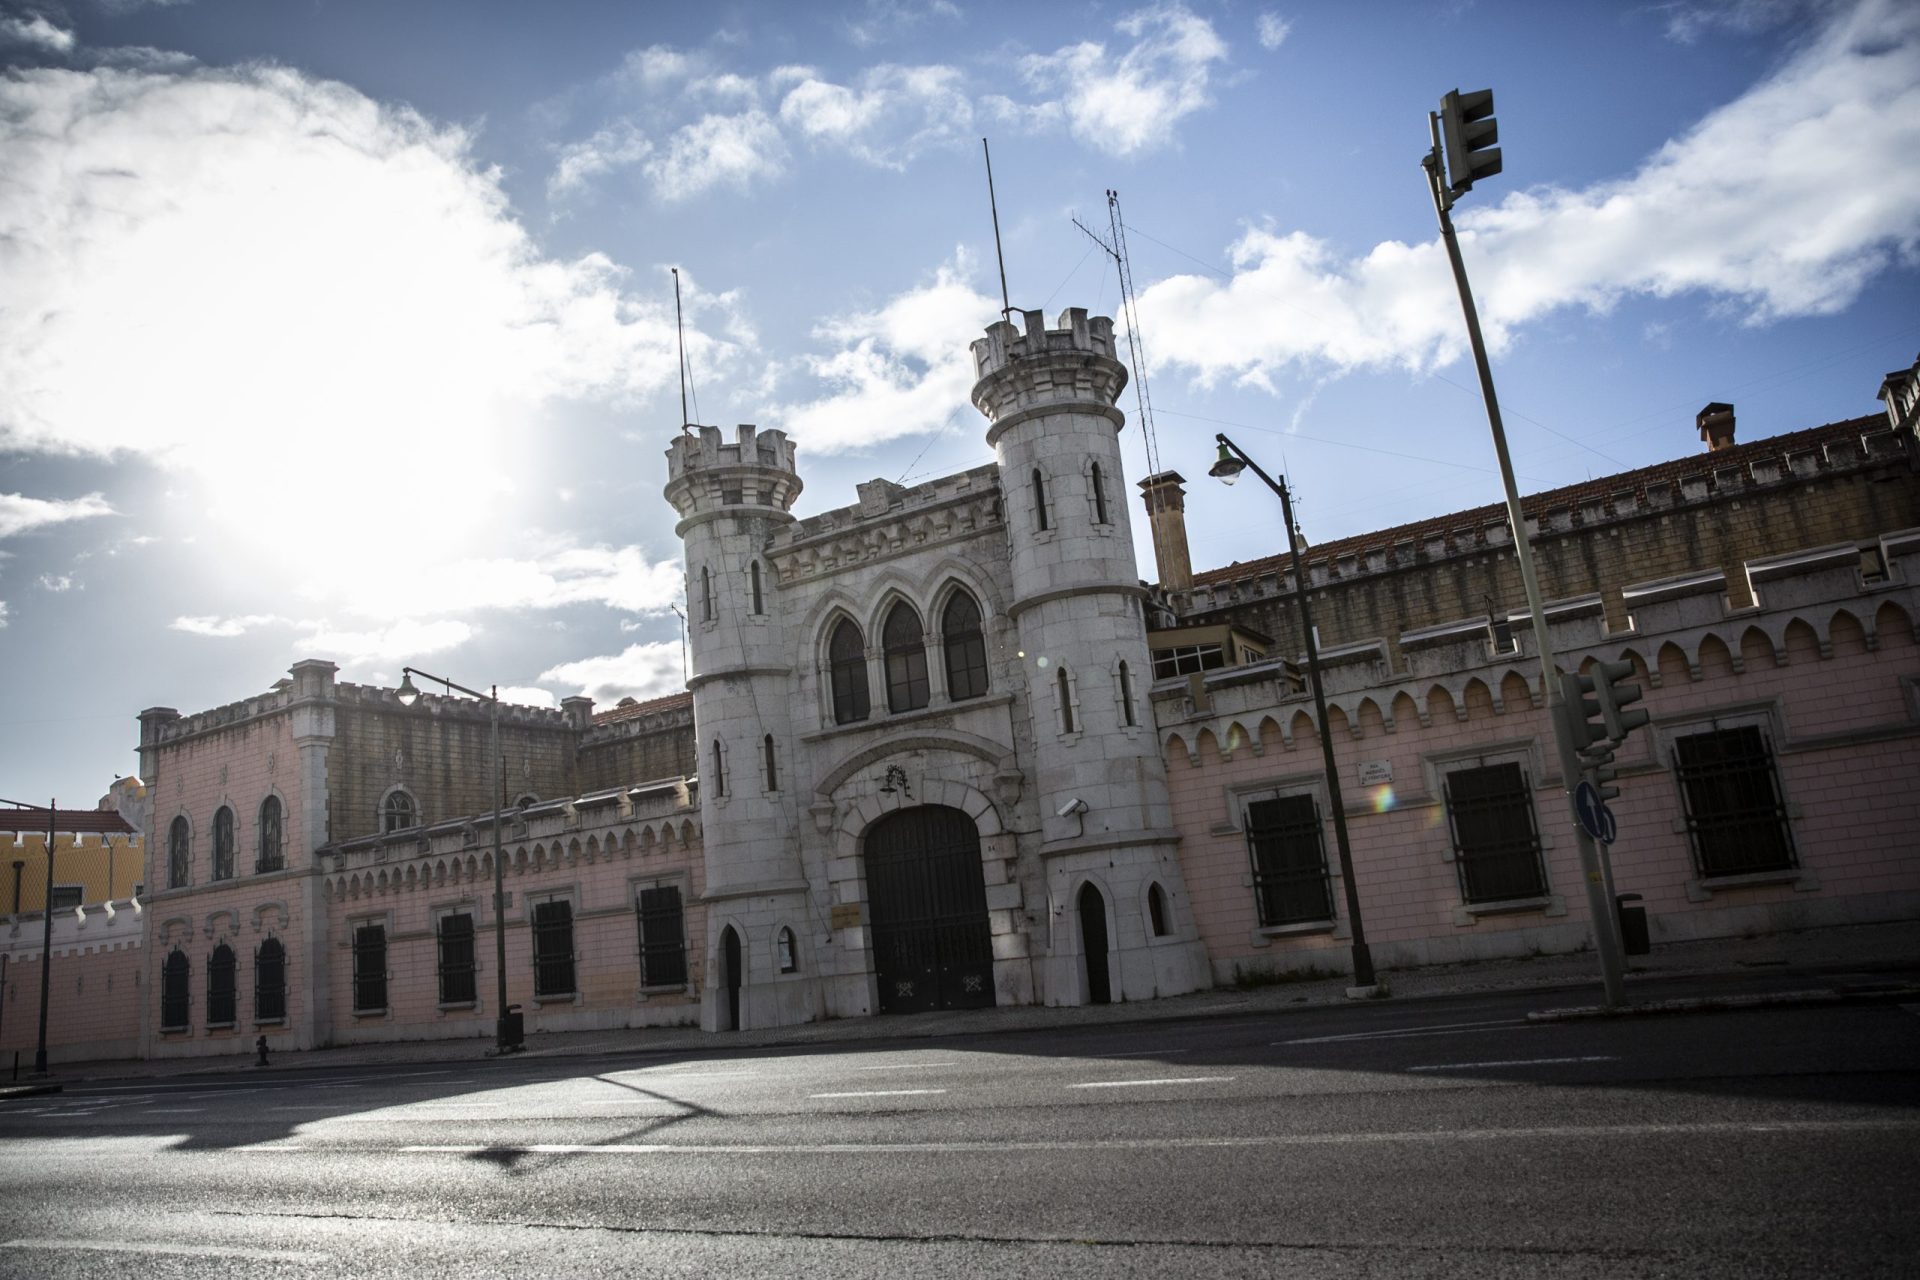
261,1046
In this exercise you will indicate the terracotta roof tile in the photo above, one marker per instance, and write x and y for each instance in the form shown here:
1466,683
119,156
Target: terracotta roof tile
672,702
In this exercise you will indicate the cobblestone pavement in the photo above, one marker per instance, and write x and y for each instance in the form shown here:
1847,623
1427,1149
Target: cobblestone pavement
1863,947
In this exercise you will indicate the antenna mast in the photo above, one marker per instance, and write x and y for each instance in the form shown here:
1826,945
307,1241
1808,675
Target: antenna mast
679,328
1006,307
1116,248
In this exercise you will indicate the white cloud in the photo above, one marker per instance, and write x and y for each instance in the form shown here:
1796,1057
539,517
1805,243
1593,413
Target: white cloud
618,146
19,513
894,115
905,369
1763,205
1272,30
404,639
3,615
407,344
36,31
643,671
1689,20
618,577
58,582
225,628
885,20
718,150
1133,101
527,696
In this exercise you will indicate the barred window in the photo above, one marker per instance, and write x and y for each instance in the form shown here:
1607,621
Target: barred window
1498,846
553,948
663,944
966,647
67,896
454,938
370,968
847,664
223,844
222,987
271,857
179,837
174,997
1735,816
1289,861
906,646
270,982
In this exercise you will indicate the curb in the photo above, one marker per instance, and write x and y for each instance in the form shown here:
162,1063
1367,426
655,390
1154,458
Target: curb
9,1091
1710,1004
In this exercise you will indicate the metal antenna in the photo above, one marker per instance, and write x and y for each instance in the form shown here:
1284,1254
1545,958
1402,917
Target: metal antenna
1006,307
1116,248
680,328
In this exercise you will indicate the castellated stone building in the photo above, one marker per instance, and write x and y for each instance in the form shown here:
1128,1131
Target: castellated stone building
941,748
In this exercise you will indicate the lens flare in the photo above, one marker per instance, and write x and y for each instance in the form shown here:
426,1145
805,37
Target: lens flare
1383,801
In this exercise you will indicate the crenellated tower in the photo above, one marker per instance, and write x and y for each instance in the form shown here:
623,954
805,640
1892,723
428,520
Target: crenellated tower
731,496
1079,608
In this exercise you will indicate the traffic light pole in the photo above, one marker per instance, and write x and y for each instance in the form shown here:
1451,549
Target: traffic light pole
1593,863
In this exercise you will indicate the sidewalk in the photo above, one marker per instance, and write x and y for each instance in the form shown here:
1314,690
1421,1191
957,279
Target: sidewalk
1865,948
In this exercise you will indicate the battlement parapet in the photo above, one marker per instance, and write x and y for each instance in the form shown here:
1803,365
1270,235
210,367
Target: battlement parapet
889,521
1019,369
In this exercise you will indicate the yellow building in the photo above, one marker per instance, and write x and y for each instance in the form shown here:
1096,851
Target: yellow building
98,854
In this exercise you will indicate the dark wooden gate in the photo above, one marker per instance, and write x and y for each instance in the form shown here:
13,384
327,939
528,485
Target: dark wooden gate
927,902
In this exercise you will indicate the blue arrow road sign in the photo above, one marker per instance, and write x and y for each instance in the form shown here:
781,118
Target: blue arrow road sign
1594,814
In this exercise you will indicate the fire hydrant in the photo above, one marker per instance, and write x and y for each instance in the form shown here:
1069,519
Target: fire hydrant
260,1046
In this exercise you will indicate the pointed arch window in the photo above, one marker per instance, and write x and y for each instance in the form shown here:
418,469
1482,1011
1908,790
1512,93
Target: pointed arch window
1040,501
270,982
271,857
175,1001
1097,483
222,986
753,586
1126,695
773,773
223,845
706,596
965,647
179,840
1063,688
906,645
784,950
1157,910
847,670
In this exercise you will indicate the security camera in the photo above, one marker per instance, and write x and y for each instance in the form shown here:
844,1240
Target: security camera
1071,807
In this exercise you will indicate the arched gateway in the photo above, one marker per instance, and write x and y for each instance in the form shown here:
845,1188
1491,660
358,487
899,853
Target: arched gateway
927,901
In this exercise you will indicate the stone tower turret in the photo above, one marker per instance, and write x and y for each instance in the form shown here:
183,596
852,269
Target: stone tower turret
731,497
1079,609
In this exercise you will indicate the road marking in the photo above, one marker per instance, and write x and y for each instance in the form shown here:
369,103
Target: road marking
182,1250
1514,1062
1134,1084
1395,1033
907,1066
877,1093
1142,1053
174,1111
1758,1127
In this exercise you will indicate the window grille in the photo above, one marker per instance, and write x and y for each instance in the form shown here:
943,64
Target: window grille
271,858
966,648
370,968
222,987
906,648
178,838
1289,861
174,998
67,896
847,663
455,945
223,844
1735,816
663,947
398,814
270,982
553,948
1498,847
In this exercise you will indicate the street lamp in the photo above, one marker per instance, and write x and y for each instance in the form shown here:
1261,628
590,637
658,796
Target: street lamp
52,811
507,1037
1226,469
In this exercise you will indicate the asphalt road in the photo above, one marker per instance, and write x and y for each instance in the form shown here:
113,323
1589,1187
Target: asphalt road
1448,1137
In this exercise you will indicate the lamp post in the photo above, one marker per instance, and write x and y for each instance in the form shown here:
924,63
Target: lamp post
51,809
1227,468
507,1038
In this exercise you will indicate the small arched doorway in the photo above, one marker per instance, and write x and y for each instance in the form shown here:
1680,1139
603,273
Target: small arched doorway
927,899
1093,944
730,978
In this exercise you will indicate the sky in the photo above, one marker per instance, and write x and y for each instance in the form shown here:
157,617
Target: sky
347,329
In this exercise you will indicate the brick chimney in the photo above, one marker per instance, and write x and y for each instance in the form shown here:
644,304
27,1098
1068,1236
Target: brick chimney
1716,426
1167,518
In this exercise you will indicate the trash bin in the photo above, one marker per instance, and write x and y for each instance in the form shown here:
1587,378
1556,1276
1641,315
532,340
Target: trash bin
513,1028
1633,924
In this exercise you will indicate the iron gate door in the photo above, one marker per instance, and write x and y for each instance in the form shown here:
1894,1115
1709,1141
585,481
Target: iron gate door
927,900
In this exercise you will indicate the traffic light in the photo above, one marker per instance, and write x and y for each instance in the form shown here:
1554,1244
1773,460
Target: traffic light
1603,776
1613,688
1468,129
1580,705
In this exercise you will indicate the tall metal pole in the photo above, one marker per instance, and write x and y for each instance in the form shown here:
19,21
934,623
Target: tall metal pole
1593,863
503,1041
46,945
1363,975
993,203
